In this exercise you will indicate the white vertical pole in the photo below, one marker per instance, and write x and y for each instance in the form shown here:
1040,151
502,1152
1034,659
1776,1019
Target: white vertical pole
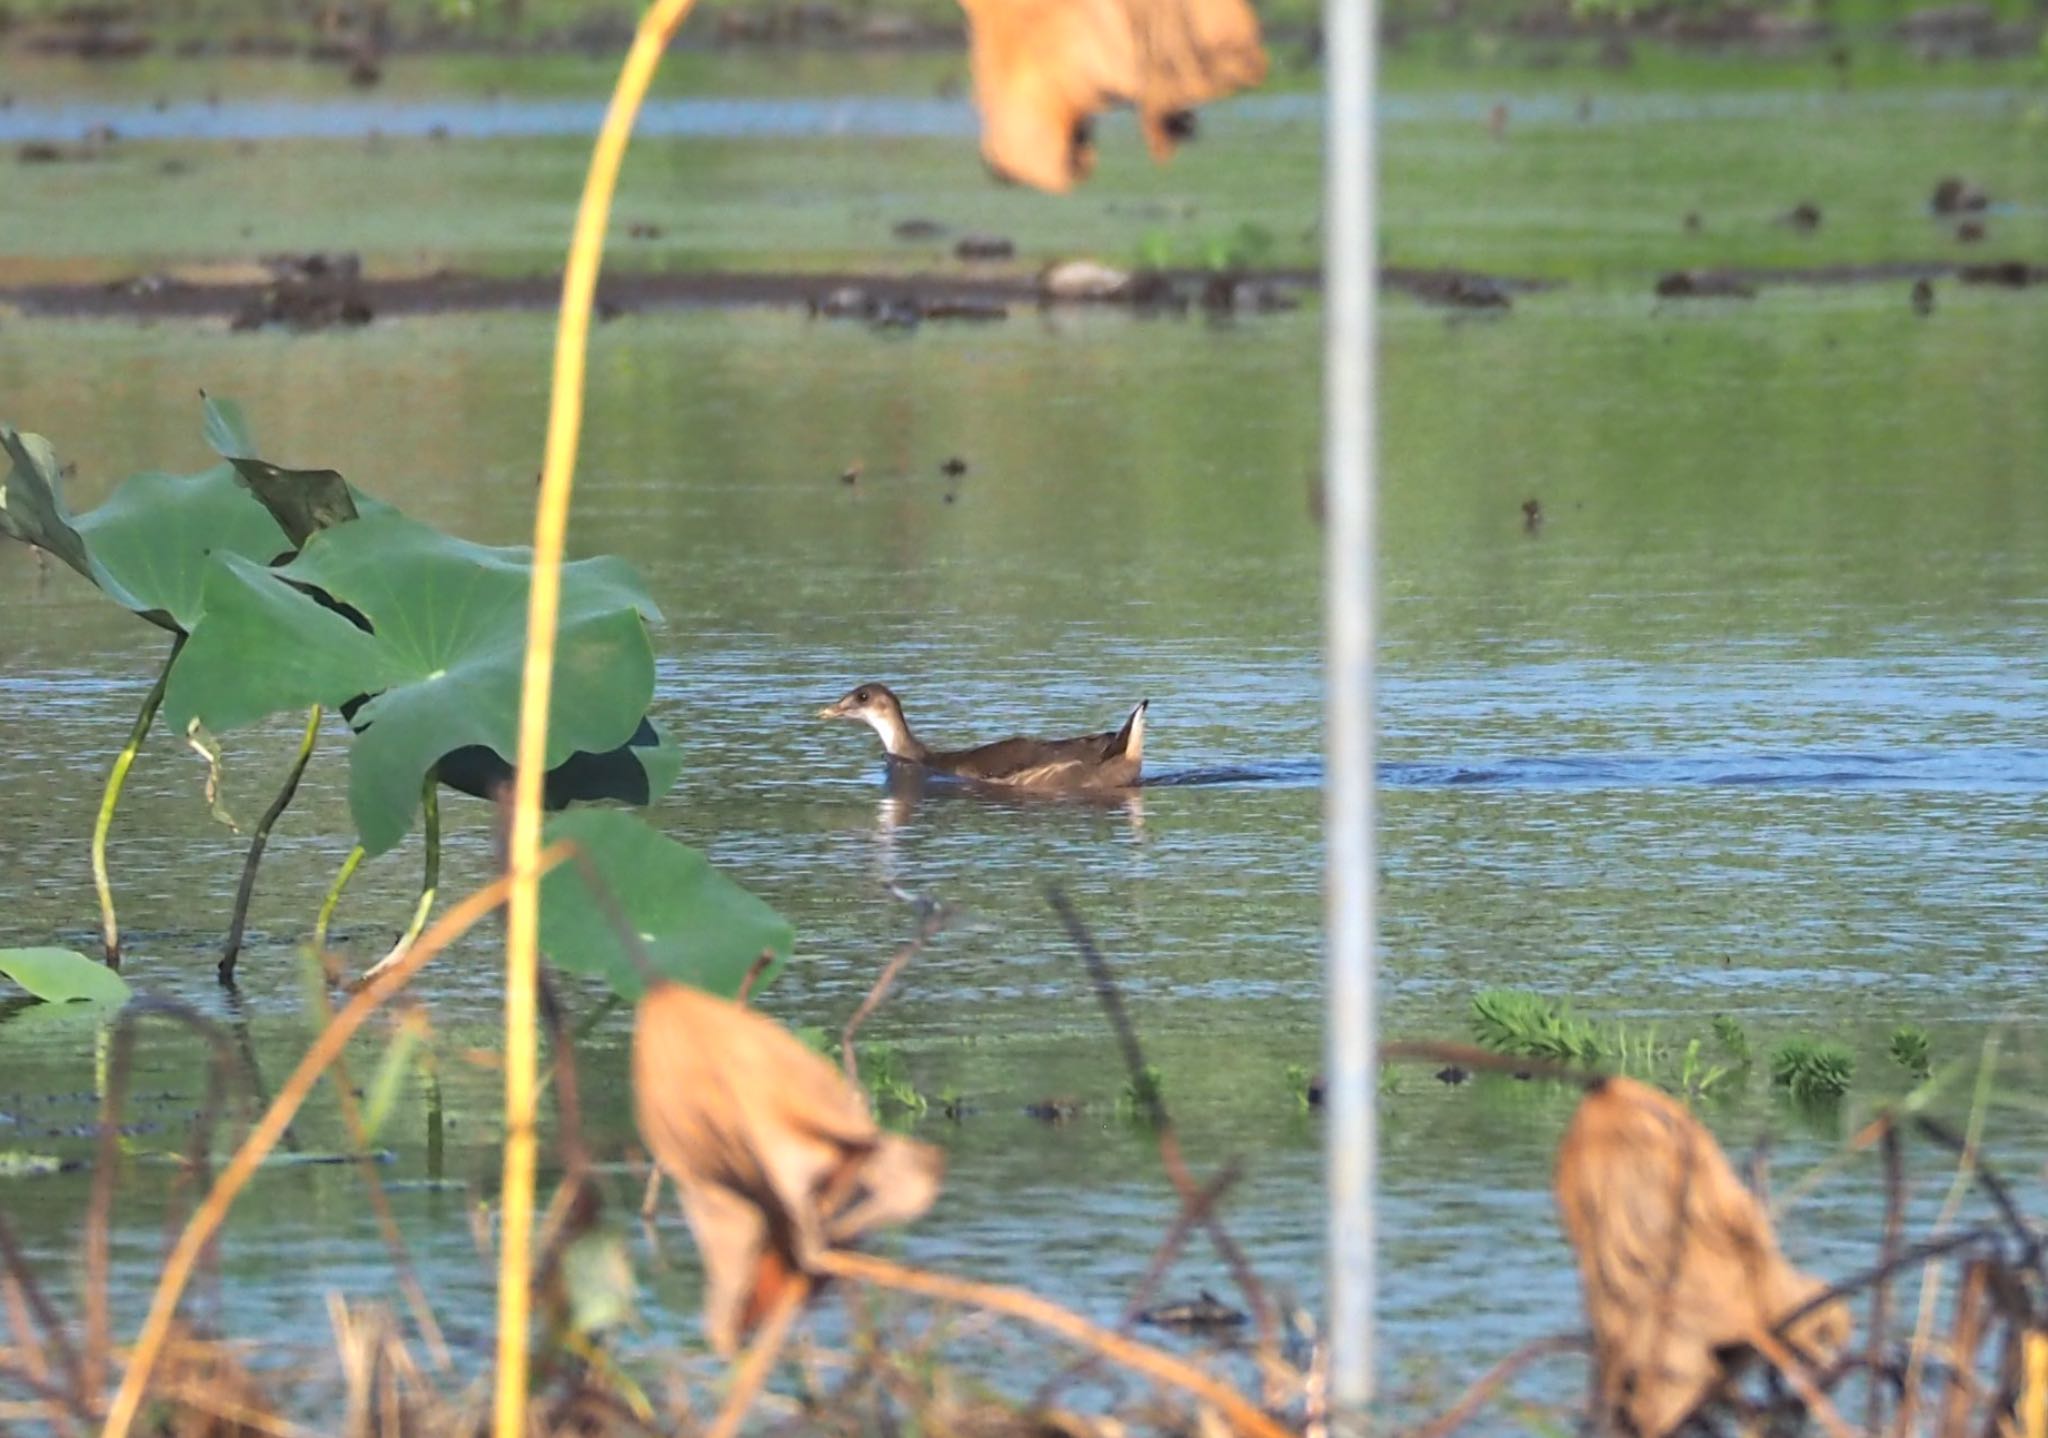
1350,877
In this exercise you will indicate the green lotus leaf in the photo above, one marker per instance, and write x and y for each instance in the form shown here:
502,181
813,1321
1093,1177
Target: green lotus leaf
148,545
691,923
225,427
32,499
59,976
438,650
302,501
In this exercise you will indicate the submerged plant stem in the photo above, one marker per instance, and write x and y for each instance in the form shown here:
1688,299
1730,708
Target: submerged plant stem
110,927
333,899
550,530
258,841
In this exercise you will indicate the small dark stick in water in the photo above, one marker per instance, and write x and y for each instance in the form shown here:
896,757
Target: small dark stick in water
1532,516
1923,298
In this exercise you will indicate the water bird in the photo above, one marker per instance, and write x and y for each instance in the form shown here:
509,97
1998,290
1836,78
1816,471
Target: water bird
1109,760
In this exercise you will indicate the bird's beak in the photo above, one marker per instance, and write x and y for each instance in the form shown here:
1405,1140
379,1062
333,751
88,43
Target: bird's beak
833,711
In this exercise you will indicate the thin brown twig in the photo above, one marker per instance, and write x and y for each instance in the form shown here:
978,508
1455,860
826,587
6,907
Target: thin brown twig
1489,1383
753,975
1881,1291
753,1367
22,1281
1147,1091
54,1400
239,1416
1966,1334
1192,1211
1795,1372
932,918
1237,1410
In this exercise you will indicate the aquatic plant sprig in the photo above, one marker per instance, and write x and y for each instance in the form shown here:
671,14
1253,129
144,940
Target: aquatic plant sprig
1812,1070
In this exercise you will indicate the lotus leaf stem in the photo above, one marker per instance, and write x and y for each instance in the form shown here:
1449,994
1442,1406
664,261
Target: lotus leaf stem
430,884
110,927
260,840
333,899
543,610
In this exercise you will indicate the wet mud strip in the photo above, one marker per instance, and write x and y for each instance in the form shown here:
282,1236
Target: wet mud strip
312,292
318,292
1743,283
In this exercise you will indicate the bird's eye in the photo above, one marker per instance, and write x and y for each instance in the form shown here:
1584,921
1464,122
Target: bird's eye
861,698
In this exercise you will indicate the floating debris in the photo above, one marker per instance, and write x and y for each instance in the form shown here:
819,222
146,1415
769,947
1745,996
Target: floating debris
1053,1110
1804,217
1083,280
985,247
1704,284
1205,1313
1954,195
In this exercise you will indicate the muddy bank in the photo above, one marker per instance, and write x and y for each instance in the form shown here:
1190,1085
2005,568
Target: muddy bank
1740,282
315,291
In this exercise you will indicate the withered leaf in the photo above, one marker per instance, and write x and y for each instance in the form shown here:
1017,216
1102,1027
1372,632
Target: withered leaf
1678,1265
775,1153
1044,68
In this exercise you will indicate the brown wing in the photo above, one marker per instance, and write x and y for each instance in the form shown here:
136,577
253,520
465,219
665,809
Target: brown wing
1008,758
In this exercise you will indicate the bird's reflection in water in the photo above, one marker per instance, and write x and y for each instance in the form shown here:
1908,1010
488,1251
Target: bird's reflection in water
907,789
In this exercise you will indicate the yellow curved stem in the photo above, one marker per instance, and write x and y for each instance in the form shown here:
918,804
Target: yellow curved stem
110,927
550,526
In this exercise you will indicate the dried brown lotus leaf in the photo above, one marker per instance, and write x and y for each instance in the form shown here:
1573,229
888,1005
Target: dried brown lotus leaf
1678,1264
1043,69
775,1153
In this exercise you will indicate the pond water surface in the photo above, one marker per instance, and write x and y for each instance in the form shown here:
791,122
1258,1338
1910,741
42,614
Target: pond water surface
1750,724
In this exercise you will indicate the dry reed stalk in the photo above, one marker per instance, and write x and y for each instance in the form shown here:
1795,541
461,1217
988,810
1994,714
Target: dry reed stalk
29,1310
1881,1291
935,917
213,1210
1951,1205
1170,1157
1966,1335
550,530
753,1367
